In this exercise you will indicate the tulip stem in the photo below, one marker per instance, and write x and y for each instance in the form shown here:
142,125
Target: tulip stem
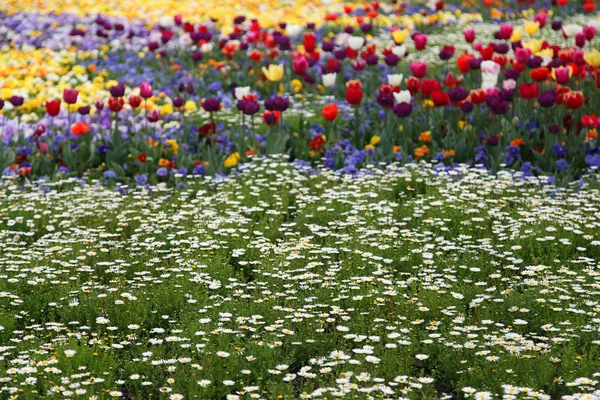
357,126
146,113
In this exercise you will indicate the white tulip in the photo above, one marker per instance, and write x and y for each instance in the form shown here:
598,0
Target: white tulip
489,81
571,30
206,47
356,42
329,79
166,21
402,97
241,91
395,79
185,40
341,39
293,30
400,51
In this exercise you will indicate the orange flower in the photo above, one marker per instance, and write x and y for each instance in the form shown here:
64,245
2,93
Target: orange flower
163,162
517,142
396,149
591,135
250,152
421,151
425,136
80,128
449,153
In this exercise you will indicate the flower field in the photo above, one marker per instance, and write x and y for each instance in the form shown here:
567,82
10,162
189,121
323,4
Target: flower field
143,93
299,199
403,283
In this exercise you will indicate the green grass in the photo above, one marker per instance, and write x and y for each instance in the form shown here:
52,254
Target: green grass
281,268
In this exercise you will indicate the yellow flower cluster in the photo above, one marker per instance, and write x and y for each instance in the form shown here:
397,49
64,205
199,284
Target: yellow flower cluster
268,12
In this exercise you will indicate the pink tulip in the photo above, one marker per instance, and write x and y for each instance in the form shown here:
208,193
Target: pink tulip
578,57
70,96
506,31
589,32
491,92
469,35
509,84
420,41
419,69
562,75
146,90
300,65
522,55
541,18
580,40
43,148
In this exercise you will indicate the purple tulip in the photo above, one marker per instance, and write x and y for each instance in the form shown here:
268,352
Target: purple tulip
403,110
146,90
16,101
547,98
458,94
70,96
117,90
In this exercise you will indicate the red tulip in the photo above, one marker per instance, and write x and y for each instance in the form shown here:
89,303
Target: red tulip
529,91
354,92
487,52
80,128
317,143
463,63
428,86
116,104
478,96
271,118
413,85
135,101
573,100
142,157
53,107
330,112
310,42
439,98
539,74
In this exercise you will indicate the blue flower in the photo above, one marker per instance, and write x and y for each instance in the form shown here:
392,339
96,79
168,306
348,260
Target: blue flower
512,154
561,165
110,174
593,160
162,171
141,179
198,170
559,150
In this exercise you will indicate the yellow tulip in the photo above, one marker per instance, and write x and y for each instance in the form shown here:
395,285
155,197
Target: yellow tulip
232,160
532,27
166,109
533,45
274,73
296,86
174,145
190,106
375,140
517,34
592,58
400,35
